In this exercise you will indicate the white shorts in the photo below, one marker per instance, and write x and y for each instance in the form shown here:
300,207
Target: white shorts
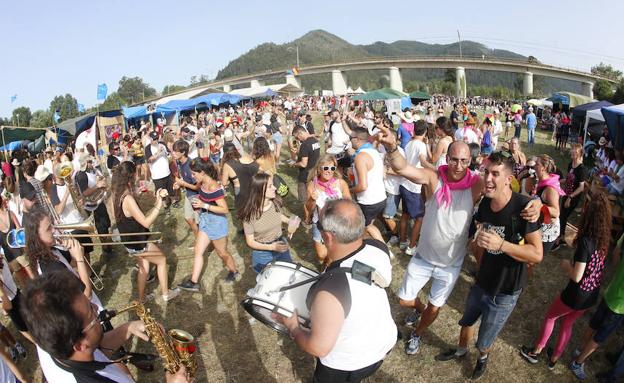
418,274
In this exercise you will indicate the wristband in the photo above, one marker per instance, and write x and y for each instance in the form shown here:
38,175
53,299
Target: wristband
501,245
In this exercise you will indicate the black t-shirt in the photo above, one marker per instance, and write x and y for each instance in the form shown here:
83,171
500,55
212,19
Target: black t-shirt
309,127
500,273
312,149
454,116
585,293
82,181
27,191
112,161
574,178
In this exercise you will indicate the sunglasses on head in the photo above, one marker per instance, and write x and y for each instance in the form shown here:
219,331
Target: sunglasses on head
326,168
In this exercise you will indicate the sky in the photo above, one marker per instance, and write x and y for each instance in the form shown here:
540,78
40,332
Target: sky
51,48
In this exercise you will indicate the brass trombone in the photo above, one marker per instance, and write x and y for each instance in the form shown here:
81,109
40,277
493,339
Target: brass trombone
89,226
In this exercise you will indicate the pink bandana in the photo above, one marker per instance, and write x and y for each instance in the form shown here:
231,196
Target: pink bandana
552,181
443,195
327,187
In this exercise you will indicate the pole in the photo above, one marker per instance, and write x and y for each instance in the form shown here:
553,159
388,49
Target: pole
459,39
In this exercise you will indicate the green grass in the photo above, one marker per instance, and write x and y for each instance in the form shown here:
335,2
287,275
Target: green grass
234,348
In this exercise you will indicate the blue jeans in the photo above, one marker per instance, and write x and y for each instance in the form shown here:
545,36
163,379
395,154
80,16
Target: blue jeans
517,130
493,310
261,258
531,138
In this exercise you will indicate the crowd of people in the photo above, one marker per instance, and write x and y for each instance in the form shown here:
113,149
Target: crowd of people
447,181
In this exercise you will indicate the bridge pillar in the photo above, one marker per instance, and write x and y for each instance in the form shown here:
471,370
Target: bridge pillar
396,82
527,84
339,83
227,88
460,82
256,83
588,89
292,80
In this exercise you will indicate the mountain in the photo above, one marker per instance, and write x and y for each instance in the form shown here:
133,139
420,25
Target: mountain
319,46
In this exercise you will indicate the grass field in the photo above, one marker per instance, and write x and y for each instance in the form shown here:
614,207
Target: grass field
234,348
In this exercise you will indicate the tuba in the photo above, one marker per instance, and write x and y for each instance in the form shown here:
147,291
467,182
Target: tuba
175,347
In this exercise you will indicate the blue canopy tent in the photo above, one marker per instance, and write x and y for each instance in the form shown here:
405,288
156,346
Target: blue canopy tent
580,112
15,145
614,117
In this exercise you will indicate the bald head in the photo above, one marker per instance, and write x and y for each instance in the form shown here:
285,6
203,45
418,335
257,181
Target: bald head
458,149
344,219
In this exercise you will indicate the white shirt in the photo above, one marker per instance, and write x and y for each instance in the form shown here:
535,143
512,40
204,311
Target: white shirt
7,279
160,167
393,182
413,151
339,137
375,191
6,375
497,126
467,135
69,214
54,373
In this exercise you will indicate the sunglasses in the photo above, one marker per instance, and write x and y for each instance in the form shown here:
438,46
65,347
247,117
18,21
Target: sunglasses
326,168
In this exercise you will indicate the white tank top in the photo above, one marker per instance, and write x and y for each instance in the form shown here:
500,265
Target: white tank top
376,190
444,233
322,199
368,332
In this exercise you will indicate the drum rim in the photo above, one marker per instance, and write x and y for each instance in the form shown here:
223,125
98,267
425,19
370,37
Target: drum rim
300,267
248,305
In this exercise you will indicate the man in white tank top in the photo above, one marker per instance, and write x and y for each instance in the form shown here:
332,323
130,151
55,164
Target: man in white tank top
352,327
369,188
453,191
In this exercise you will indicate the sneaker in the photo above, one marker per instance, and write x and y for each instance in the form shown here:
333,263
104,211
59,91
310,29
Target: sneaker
393,240
171,295
413,345
450,354
412,318
578,370
528,353
189,285
14,353
551,365
403,245
480,368
411,251
391,254
21,350
232,276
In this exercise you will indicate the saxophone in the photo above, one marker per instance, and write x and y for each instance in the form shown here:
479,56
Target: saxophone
175,347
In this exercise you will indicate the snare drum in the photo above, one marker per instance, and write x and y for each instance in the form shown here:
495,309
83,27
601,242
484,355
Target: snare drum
266,299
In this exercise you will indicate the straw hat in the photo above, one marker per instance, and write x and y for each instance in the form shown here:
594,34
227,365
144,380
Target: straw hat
42,173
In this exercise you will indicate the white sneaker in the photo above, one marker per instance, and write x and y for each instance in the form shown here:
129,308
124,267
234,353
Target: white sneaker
172,293
410,251
403,245
393,240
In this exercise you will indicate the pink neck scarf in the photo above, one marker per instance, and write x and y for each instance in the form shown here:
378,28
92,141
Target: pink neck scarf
443,195
553,182
327,187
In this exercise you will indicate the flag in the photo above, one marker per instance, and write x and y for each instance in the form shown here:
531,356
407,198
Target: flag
13,98
57,117
101,92
81,108
295,71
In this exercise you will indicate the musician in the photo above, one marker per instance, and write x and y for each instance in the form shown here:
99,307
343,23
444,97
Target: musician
352,326
130,219
88,184
65,324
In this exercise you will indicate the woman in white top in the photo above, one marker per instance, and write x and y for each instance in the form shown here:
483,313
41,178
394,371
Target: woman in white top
444,132
324,186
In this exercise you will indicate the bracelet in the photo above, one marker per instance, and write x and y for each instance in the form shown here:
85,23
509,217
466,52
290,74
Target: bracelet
206,207
501,245
393,150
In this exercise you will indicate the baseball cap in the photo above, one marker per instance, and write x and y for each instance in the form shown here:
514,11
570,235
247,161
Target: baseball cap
154,135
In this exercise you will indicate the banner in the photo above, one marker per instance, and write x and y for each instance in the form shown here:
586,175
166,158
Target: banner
102,89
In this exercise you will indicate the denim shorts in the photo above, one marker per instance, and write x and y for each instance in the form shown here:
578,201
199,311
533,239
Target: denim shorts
392,205
412,203
493,311
214,225
277,138
605,322
261,258
316,233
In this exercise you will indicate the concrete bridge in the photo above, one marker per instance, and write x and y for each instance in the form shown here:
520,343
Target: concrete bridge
395,64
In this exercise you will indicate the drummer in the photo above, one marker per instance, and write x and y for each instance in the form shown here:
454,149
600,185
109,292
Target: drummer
345,312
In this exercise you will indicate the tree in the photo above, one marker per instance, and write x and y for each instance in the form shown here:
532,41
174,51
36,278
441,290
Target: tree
603,90
134,89
607,71
450,75
533,60
113,102
21,116
5,122
202,79
618,96
42,119
168,89
66,106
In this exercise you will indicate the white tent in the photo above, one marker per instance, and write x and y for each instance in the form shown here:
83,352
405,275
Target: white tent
359,90
542,102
